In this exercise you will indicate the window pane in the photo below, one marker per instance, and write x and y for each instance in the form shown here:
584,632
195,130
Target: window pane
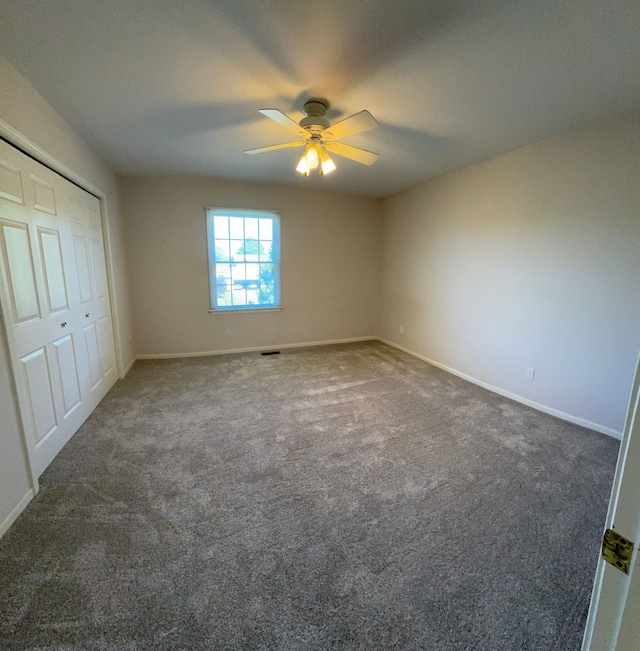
223,294
221,226
266,272
251,228
237,250
222,251
239,296
251,248
238,272
236,228
266,229
266,251
253,296
223,284
267,284
223,269
267,296
253,271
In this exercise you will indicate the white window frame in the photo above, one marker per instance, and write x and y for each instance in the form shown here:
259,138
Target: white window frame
274,216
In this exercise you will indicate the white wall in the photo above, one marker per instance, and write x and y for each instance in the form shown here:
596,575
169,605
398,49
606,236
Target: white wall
330,265
529,260
27,119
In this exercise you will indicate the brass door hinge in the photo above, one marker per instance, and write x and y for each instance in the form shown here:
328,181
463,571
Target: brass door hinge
617,550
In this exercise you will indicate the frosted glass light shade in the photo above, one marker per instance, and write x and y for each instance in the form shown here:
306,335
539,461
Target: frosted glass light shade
327,165
303,168
312,157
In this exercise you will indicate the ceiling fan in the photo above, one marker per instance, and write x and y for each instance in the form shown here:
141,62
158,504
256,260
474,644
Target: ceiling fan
319,137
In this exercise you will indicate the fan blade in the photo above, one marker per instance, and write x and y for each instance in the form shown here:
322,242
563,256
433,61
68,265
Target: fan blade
356,123
355,153
284,145
285,121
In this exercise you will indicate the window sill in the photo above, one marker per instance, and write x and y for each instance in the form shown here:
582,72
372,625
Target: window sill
241,310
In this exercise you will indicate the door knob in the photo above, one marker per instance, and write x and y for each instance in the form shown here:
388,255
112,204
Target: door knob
63,324
87,315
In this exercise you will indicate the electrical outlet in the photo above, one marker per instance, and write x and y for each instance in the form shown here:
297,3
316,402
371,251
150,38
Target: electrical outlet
401,330
531,373
228,332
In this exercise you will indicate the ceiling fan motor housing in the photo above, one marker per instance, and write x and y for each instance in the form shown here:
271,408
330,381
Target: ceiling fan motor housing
315,121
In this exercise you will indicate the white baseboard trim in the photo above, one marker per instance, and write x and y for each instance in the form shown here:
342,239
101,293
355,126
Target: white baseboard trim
17,510
512,396
255,349
129,367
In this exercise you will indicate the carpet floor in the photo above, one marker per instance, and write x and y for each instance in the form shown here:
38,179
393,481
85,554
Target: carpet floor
339,497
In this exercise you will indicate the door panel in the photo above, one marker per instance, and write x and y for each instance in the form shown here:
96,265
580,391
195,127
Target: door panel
107,353
68,373
99,275
91,339
53,269
92,206
82,267
75,211
11,183
20,272
41,400
44,196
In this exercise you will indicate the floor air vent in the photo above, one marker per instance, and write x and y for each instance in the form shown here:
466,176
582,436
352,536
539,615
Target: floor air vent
271,352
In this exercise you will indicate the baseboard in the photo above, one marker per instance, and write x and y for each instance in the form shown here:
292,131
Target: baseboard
129,367
255,349
512,396
17,510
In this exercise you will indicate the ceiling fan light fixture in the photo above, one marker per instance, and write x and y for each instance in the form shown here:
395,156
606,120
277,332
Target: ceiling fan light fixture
312,156
303,168
318,135
326,164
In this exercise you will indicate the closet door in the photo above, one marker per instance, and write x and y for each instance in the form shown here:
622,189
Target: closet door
93,314
50,256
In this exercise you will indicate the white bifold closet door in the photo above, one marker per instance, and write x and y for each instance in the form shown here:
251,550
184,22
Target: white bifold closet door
55,302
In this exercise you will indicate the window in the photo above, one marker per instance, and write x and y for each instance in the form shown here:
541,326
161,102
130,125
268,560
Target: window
244,259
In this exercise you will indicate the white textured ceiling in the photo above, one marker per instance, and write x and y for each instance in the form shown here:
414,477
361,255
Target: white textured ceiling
167,87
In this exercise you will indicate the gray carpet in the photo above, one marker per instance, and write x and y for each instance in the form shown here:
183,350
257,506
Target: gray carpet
343,497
